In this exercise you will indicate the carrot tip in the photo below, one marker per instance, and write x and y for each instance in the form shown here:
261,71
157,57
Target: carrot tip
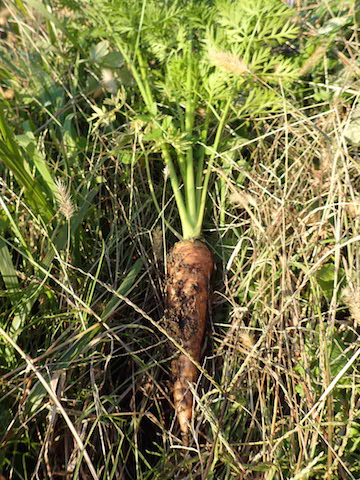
184,417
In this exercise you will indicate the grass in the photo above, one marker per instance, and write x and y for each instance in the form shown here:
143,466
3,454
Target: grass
85,389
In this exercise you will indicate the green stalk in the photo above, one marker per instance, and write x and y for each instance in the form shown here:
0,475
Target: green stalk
205,186
181,160
140,80
187,221
222,201
201,161
190,184
151,104
189,179
187,226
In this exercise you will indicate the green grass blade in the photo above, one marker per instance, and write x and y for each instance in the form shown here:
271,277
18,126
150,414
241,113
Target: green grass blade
124,289
83,341
7,269
16,161
20,307
28,142
15,228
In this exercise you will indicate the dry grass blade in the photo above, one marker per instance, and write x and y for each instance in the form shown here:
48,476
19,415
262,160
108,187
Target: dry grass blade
260,103
54,398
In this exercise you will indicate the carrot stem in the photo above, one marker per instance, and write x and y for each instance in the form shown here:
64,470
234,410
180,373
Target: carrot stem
200,167
189,125
186,224
210,164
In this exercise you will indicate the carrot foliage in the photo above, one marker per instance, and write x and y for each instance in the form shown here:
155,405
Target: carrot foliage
193,73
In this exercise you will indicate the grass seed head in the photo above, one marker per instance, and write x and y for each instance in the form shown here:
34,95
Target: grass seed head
246,340
242,199
351,297
353,208
166,172
63,198
228,61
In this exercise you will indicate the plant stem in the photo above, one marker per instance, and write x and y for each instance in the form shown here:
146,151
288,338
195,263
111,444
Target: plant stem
200,166
209,167
187,226
141,80
151,104
181,160
189,179
187,211
190,184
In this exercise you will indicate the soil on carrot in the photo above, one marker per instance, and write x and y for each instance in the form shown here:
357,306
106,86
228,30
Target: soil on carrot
187,287
190,265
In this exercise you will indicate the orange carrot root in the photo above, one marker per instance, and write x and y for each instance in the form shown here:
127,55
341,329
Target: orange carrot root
189,268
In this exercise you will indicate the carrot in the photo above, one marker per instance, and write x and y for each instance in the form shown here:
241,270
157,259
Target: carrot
189,268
